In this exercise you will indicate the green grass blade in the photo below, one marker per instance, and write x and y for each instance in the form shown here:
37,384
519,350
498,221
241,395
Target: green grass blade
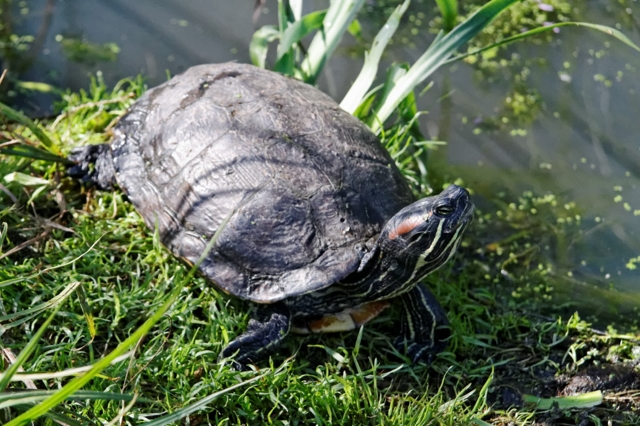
602,28
437,54
24,179
31,345
10,399
394,73
38,86
449,12
76,371
296,9
298,30
199,405
86,310
585,400
19,117
338,18
259,45
295,32
3,233
363,82
23,150
57,299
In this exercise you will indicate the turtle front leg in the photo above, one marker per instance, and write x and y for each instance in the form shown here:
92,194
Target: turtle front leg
94,165
265,331
424,328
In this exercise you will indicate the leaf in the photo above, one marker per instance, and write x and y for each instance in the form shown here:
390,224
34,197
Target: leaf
10,399
23,150
355,29
585,400
394,73
19,117
295,32
25,180
259,45
39,87
439,51
338,18
363,82
602,28
449,12
82,298
299,30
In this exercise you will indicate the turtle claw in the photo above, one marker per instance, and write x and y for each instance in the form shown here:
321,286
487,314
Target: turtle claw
263,335
93,165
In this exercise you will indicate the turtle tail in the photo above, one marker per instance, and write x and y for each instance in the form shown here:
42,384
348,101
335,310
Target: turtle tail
93,165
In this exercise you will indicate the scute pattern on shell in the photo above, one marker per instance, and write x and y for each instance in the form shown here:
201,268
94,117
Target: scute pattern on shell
305,184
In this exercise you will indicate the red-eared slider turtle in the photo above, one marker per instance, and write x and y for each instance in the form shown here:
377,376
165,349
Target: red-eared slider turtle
321,228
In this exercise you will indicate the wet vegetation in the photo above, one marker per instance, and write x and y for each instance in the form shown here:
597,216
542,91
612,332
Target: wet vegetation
84,261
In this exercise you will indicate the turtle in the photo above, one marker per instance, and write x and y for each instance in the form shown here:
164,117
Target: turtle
313,221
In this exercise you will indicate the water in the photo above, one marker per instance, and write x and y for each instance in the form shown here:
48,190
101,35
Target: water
581,143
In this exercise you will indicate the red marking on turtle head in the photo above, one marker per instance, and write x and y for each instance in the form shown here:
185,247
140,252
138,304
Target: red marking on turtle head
405,226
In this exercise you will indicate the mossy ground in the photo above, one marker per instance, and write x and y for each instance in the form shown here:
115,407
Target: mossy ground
513,334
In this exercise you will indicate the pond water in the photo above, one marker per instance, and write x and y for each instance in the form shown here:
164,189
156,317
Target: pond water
580,140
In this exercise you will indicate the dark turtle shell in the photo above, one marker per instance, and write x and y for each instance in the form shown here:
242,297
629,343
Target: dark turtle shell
303,183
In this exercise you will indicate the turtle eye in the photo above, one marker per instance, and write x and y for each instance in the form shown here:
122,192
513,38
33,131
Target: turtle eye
444,210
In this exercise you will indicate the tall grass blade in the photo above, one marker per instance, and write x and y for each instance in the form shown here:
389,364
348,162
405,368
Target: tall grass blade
259,45
449,12
295,32
585,400
10,399
24,179
28,151
3,233
437,54
19,117
296,9
394,73
298,30
337,20
76,371
86,310
363,82
602,28
37,309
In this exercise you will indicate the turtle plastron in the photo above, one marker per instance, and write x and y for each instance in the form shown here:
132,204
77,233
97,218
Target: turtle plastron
342,321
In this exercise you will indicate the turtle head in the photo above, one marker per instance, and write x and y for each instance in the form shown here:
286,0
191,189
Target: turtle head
424,235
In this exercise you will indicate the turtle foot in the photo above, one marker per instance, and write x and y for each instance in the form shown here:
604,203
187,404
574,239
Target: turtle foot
262,337
94,166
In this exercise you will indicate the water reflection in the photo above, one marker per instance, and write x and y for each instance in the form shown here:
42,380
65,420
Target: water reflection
581,144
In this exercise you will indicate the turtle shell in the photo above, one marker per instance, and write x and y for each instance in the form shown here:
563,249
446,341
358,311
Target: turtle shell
301,184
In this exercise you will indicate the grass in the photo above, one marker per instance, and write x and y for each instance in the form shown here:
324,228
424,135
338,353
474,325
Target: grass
508,342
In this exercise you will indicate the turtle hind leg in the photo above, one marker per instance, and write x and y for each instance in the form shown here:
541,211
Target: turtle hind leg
94,165
264,334
424,327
